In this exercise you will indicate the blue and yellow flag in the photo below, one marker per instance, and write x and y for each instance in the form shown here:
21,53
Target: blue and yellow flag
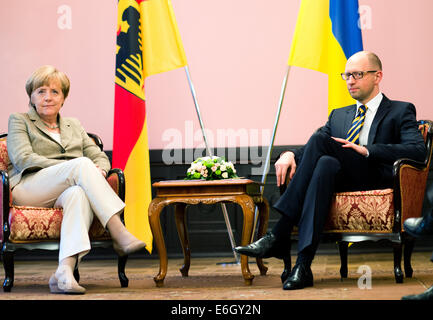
327,33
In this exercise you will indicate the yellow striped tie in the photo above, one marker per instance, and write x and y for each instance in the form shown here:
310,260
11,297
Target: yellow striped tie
357,123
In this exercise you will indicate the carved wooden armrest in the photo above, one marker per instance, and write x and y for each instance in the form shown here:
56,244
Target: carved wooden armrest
116,179
410,179
5,200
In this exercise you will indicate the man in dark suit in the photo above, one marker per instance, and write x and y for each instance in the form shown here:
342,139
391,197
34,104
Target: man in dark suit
355,150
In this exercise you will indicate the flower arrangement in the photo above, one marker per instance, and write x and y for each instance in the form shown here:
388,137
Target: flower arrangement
211,168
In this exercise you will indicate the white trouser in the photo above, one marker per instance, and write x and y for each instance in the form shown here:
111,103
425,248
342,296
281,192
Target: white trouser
80,189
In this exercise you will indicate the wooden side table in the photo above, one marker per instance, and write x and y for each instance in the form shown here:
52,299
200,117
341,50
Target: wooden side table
181,193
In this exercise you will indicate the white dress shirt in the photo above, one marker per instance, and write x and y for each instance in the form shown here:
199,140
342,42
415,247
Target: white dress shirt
372,107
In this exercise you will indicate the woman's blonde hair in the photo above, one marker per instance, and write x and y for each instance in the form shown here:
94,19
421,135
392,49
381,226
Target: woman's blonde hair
43,75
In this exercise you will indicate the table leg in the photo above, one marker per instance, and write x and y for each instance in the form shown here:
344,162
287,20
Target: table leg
180,217
247,205
263,207
155,209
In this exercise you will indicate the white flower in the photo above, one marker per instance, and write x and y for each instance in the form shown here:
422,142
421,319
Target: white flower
197,167
218,165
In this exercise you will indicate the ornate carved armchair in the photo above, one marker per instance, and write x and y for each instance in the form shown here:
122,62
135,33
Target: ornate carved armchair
32,228
379,214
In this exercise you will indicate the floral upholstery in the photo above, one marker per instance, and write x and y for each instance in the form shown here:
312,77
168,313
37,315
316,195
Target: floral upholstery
362,211
4,158
33,224
30,223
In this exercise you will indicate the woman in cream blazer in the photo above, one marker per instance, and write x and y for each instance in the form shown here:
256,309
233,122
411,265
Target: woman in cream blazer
53,162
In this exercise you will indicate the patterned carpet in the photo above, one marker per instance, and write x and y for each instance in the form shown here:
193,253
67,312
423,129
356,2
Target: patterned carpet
220,279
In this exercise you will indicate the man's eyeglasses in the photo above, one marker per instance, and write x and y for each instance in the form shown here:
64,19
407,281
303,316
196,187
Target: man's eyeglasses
356,75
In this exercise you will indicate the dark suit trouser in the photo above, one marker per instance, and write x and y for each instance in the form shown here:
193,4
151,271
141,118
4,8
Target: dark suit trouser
325,167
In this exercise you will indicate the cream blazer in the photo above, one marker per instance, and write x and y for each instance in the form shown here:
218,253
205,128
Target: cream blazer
31,148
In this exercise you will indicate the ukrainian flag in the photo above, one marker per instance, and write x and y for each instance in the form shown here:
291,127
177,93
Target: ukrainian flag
327,33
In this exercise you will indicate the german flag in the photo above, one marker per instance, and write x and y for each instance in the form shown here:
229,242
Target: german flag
148,42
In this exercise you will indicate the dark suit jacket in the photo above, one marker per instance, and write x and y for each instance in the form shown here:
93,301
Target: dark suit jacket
393,134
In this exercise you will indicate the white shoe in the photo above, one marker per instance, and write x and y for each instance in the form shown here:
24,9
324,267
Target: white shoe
133,246
53,284
61,283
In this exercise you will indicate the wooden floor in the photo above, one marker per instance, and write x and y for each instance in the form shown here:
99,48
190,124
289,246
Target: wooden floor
221,279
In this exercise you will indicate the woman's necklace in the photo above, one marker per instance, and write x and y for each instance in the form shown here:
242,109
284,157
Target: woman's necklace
56,126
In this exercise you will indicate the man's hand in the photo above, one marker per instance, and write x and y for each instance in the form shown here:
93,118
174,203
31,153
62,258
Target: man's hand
286,161
346,144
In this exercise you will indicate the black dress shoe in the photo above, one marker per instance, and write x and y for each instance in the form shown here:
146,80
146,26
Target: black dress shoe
418,227
300,278
426,295
263,248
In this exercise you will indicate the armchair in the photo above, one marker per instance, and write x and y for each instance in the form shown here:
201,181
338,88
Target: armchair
30,228
379,214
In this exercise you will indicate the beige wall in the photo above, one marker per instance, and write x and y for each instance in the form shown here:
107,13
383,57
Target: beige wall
237,53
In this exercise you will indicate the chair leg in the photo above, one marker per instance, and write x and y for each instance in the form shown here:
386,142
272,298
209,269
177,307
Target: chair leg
8,264
408,248
121,263
77,275
343,249
398,272
287,268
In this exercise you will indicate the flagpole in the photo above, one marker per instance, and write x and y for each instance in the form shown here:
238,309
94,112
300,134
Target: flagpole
271,144
223,206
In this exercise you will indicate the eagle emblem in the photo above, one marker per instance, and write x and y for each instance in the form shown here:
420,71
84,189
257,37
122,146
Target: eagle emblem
129,57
